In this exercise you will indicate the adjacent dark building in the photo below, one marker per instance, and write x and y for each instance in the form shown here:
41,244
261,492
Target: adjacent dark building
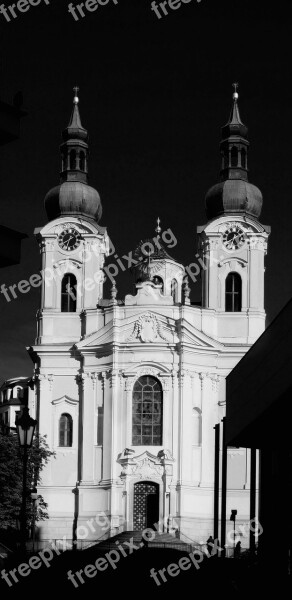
258,416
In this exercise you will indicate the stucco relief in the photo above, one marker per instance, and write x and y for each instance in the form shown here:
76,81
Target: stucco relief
68,225
147,469
148,329
229,224
147,465
258,243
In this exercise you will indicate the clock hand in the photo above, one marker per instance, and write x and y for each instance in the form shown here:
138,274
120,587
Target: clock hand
237,237
70,238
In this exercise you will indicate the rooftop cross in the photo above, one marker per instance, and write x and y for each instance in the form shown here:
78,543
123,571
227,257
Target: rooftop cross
76,90
235,94
158,228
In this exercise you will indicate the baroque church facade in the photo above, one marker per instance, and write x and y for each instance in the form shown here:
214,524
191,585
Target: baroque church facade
128,391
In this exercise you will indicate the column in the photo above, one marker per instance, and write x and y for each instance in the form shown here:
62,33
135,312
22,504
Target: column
114,381
45,418
209,386
128,410
107,420
88,413
180,425
167,414
187,422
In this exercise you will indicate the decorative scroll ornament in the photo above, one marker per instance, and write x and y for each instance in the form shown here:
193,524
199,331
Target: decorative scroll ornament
147,465
148,329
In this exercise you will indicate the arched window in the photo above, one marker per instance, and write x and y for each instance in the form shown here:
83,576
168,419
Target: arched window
174,289
234,156
158,281
63,163
233,287
243,158
226,159
65,430
73,160
68,293
147,412
82,161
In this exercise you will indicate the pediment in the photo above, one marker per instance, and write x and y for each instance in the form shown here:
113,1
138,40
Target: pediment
65,400
192,336
148,327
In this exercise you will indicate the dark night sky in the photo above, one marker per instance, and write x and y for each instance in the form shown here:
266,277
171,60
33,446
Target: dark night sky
153,95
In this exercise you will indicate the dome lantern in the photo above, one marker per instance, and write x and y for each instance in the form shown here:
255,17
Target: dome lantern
74,150
234,144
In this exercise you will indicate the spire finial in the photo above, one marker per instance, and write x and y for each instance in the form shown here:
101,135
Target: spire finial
235,93
114,291
74,149
158,228
76,90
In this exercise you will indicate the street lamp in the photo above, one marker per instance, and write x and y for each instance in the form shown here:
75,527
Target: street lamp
233,518
25,426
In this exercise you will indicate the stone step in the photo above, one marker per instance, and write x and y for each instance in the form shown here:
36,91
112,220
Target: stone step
160,540
134,536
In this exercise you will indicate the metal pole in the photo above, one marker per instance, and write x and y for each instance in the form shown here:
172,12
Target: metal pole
33,524
23,503
216,481
234,536
252,506
223,493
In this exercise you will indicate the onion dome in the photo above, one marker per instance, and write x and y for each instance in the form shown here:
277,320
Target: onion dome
74,196
234,194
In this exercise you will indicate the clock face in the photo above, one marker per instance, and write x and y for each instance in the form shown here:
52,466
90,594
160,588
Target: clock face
69,239
233,237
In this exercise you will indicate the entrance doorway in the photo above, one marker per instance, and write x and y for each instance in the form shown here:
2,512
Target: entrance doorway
146,505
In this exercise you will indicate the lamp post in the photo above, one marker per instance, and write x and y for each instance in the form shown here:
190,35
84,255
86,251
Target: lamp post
25,426
34,498
233,518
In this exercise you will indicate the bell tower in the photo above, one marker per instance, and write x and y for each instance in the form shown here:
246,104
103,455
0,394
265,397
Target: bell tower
233,243
73,245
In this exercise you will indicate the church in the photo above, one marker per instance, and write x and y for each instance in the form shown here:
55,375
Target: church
128,391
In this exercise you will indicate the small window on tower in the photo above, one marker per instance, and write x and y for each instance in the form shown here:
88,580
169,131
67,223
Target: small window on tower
234,157
73,160
233,293
65,430
158,281
243,158
82,161
69,293
174,289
